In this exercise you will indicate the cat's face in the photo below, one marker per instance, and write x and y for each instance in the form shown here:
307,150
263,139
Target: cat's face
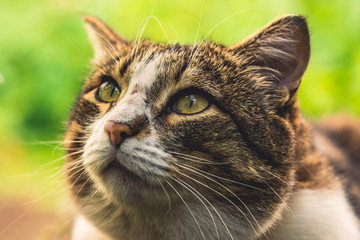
189,124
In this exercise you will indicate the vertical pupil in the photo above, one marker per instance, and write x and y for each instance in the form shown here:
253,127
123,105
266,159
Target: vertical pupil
192,100
112,91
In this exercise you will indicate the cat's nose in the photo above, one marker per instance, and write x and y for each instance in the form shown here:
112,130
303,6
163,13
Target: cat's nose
117,132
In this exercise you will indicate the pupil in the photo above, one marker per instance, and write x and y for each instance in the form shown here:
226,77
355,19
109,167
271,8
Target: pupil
112,91
192,100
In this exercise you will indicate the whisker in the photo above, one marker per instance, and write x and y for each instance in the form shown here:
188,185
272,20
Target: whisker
193,158
187,206
192,190
42,197
161,26
197,196
37,142
117,62
201,15
59,159
162,186
285,203
144,22
207,35
274,175
17,219
35,173
222,178
224,20
111,209
222,195
176,33
79,167
97,190
45,166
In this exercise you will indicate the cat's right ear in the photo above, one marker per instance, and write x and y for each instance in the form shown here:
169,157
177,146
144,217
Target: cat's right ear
277,57
104,40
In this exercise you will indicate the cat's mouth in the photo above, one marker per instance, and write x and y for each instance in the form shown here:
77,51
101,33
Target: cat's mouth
115,165
121,172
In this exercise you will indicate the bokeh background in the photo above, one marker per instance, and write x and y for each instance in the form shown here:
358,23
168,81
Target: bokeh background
45,55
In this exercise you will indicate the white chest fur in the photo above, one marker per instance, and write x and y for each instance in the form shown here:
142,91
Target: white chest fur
83,230
319,215
315,215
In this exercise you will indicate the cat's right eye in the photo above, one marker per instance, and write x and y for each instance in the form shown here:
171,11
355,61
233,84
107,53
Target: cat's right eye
190,103
108,91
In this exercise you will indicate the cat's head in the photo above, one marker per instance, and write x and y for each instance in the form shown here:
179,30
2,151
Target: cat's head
192,125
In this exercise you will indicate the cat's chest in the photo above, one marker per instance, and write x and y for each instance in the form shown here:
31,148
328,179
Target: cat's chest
318,214
83,230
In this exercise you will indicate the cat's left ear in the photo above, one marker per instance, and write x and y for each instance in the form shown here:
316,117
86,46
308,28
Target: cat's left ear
104,40
278,55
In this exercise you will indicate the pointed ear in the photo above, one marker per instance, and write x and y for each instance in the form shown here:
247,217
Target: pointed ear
103,38
279,55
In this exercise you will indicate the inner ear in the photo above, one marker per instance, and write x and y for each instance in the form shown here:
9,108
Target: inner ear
281,51
105,41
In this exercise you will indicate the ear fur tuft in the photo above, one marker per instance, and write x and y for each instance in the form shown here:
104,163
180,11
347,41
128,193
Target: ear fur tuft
103,38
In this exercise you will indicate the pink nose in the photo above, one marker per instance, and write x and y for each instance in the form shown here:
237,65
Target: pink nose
117,132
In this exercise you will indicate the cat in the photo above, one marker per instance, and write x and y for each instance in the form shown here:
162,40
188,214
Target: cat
207,141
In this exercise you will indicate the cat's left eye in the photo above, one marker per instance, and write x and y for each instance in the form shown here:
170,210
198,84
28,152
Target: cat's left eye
190,103
108,92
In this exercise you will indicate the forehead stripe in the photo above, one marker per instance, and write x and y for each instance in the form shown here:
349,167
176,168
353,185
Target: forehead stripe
126,65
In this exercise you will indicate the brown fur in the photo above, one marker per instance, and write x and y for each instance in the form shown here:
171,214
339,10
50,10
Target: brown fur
252,136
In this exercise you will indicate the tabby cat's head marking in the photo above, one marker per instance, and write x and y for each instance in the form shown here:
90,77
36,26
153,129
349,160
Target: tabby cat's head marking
235,154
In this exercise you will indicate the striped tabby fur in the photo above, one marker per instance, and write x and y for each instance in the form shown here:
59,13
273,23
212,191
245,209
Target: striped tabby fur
249,166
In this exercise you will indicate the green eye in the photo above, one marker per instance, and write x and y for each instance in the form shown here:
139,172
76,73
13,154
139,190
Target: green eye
108,92
190,103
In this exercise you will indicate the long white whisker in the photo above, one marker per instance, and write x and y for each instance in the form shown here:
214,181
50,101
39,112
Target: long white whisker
161,26
224,20
222,195
187,206
193,191
143,23
193,55
193,158
201,15
11,224
117,62
162,186
222,178
274,175
176,33
285,203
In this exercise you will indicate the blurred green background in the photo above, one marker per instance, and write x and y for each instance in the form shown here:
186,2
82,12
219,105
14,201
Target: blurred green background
45,55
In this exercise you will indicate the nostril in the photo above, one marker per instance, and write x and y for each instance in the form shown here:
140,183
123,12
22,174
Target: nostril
124,135
117,132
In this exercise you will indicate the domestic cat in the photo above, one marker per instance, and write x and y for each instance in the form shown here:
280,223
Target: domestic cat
207,141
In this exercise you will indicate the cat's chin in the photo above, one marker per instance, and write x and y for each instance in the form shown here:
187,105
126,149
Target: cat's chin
124,186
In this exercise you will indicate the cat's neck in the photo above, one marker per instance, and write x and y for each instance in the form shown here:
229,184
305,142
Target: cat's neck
309,218
177,223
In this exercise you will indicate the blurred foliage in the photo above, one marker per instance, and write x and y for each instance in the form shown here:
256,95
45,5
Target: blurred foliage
45,55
